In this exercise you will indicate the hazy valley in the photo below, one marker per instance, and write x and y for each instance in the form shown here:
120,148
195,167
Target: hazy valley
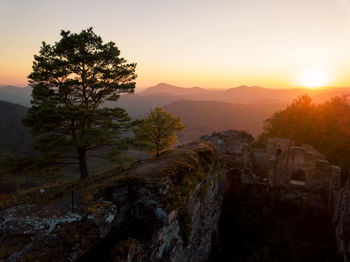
203,111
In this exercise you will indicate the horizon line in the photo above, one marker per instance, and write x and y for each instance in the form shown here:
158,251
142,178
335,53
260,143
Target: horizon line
205,88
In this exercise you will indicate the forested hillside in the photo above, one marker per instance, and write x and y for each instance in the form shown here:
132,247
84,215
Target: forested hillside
14,138
205,117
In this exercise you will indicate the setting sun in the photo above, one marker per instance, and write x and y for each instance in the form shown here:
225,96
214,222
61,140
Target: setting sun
314,78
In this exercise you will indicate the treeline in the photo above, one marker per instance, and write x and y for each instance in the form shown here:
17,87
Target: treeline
325,126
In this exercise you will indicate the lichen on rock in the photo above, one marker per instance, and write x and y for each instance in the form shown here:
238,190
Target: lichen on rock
163,209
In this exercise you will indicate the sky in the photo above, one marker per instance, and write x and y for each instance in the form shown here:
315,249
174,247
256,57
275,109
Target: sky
207,43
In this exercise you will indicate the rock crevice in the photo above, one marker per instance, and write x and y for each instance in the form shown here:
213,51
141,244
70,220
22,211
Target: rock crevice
163,209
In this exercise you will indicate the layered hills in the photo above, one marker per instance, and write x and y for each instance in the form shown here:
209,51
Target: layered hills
16,95
203,111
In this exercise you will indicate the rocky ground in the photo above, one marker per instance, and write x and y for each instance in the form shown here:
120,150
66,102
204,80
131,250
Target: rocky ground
165,209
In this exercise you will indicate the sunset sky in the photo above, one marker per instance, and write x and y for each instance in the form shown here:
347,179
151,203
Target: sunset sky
213,44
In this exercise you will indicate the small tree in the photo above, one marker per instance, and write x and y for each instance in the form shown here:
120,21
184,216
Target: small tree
71,80
156,133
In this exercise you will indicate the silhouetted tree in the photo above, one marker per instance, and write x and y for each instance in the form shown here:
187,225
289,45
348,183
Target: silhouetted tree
71,80
157,132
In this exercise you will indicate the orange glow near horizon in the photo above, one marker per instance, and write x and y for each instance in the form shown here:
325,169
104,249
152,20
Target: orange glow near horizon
210,44
308,79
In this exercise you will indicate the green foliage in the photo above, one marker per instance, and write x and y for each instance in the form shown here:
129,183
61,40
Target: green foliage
119,155
157,132
186,185
71,80
297,121
325,126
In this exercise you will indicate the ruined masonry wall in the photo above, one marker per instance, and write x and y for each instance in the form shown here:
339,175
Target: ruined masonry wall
281,158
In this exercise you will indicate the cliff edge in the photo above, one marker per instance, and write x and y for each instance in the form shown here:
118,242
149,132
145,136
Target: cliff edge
165,209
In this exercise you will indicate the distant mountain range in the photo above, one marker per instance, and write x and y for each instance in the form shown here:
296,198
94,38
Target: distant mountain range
203,110
244,94
163,94
16,95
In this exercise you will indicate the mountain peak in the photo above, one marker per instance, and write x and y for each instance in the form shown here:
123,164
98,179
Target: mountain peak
246,88
162,85
171,89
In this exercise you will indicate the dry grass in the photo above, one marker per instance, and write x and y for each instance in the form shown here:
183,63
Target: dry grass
173,164
58,191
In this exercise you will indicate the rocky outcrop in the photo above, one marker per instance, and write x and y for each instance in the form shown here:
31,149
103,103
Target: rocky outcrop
165,209
232,146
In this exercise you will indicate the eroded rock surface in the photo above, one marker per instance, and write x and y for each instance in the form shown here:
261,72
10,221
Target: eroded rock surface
166,209
232,146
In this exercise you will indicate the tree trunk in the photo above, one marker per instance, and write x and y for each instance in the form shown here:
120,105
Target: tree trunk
83,163
157,148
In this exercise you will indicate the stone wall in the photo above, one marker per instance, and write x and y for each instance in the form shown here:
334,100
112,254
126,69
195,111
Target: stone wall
283,162
257,158
322,187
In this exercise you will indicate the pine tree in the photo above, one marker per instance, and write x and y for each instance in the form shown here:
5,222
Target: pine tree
71,80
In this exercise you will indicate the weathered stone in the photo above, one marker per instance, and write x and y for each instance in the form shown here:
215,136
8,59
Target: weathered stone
165,209
230,142
257,158
321,187
232,146
288,165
